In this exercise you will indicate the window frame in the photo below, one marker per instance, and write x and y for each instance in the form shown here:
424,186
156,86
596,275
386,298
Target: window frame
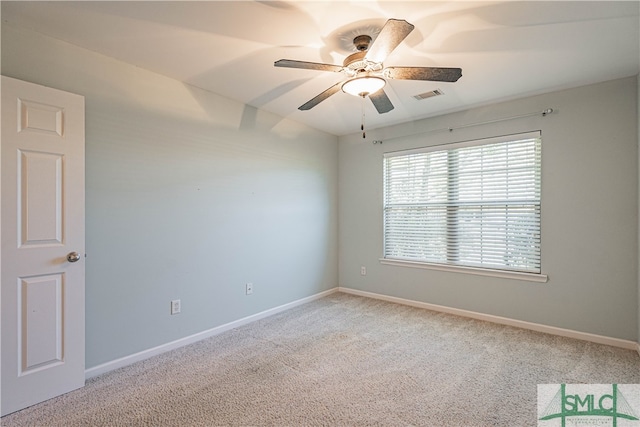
470,269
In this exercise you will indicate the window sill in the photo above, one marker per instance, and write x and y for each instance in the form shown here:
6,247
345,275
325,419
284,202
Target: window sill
531,277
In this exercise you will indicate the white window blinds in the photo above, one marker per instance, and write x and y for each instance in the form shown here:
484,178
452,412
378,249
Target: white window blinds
473,204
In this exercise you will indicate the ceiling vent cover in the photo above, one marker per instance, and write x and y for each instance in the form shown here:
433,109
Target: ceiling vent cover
429,94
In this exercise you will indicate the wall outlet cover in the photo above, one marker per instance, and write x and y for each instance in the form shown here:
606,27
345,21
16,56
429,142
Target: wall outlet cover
175,306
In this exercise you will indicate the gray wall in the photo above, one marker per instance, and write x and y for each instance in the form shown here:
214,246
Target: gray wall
589,213
189,196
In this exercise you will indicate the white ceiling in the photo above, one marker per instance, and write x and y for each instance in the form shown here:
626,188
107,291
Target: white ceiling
506,49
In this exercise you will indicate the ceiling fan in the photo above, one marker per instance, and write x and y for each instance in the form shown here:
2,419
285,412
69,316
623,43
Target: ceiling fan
365,69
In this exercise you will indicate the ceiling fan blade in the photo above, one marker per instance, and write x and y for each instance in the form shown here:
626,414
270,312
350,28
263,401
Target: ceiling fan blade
391,35
423,73
381,101
318,99
292,63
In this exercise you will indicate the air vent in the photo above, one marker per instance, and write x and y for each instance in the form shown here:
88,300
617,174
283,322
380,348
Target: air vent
430,94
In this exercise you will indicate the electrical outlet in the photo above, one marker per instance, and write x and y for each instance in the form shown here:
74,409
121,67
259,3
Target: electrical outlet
249,288
363,271
175,306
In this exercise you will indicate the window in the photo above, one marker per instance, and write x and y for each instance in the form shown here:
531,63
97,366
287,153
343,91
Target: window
473,204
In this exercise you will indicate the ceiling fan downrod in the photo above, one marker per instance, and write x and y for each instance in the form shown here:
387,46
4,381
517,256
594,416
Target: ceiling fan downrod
361,42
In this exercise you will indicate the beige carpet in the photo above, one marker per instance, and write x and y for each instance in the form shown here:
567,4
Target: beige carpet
345,361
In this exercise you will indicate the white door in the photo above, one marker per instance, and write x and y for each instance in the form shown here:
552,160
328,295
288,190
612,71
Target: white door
42,234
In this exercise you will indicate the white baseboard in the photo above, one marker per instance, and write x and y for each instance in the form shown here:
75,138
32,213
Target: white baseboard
133,358
600,339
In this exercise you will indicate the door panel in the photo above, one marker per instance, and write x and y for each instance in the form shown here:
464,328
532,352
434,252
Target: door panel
42,220
40,198
40,317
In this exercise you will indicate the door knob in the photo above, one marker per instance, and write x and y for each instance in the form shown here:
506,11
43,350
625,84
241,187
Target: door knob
73,256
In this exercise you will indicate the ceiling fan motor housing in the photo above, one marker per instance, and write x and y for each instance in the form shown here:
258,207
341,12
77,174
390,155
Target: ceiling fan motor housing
356,64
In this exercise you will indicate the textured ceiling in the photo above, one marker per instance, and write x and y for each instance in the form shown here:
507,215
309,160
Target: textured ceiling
506,49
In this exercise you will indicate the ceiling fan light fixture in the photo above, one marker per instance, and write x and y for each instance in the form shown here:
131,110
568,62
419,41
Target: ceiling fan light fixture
363,86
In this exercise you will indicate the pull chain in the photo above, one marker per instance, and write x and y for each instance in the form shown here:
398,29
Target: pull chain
362,123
